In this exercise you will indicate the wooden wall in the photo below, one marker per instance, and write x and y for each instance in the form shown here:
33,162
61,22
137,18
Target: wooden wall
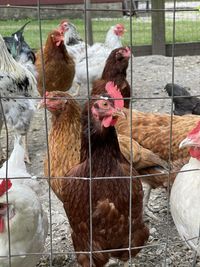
52,2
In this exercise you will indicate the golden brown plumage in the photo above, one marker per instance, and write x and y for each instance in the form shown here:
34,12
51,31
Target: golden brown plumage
110,197
64,138
152,131
141,157
59,67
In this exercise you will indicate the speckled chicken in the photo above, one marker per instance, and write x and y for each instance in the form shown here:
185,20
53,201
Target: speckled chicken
110,196
16,81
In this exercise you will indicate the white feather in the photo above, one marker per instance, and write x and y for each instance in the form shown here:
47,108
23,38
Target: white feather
185,203
97,55
29,226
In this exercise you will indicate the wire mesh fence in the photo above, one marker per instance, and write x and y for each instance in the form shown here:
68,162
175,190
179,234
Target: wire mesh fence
147,77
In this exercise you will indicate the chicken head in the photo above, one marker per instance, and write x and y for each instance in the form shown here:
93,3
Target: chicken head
119,29
193,141
107,110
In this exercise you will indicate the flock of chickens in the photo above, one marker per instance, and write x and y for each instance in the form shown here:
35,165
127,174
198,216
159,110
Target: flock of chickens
96,196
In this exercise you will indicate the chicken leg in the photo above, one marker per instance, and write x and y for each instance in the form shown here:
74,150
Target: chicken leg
25,145
2,153
146,210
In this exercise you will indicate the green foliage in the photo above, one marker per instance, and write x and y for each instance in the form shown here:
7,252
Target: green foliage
186,30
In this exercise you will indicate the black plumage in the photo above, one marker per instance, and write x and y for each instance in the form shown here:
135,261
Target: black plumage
185,104
17,45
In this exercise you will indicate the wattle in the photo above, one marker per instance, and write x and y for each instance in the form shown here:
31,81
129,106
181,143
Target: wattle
195,152
2,224
109,121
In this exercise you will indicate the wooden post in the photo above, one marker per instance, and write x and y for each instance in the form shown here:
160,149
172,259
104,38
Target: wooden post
89,23
158,28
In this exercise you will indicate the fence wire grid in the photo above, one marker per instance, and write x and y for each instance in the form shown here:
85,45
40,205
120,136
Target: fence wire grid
164,247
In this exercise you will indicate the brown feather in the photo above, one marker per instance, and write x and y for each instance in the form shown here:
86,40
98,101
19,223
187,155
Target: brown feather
114,70
152,132
141,157
64,142
59,67
110,199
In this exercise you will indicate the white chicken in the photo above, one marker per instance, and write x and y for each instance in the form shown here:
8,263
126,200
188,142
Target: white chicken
112,41
97,55
28,222
16,81
185,193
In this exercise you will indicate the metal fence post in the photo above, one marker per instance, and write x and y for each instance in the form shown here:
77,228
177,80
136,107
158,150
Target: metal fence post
89,23
158,27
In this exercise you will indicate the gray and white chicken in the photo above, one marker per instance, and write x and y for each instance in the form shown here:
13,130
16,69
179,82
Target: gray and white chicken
17,86
72,40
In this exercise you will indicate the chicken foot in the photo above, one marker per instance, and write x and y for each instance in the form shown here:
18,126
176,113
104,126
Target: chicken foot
146,210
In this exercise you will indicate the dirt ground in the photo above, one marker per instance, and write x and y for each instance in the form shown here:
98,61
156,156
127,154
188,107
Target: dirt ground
149,76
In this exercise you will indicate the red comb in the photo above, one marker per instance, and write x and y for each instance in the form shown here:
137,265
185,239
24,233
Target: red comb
114,92
195,130
62,21
120,25
4,186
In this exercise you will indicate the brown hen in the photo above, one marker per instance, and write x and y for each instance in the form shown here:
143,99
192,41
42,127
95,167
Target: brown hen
115,70
64,137
64,140
59,67
110,197
152,131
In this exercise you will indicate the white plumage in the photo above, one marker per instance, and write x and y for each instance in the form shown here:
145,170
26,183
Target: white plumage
28,222
97,55
185,196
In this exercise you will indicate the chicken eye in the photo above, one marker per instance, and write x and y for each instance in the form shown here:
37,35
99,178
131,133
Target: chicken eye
105,104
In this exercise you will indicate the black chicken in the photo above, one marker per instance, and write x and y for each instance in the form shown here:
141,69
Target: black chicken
185,104
18,47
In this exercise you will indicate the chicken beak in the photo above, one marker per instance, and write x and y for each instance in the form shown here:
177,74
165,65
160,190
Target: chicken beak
186,142
119,113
